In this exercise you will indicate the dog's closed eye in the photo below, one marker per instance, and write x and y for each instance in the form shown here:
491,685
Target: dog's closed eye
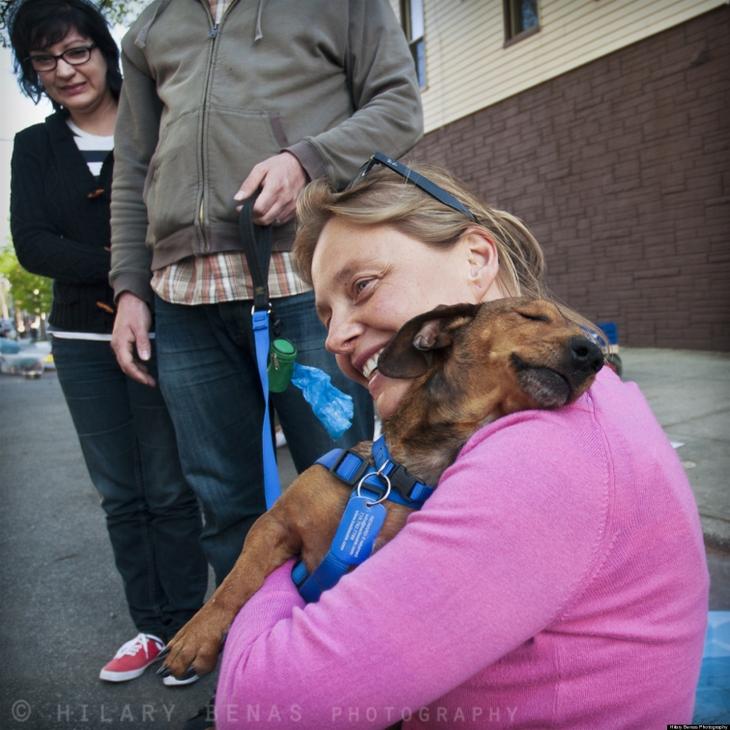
534,317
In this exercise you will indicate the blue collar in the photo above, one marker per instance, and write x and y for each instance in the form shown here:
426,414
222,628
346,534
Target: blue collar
388,479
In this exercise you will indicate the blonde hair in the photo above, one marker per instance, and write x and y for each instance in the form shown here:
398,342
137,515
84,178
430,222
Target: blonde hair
383,197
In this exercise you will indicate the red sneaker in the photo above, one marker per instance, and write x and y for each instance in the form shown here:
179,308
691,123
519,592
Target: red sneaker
132,658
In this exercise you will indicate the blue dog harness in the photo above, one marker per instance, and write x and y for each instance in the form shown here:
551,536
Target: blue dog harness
364,514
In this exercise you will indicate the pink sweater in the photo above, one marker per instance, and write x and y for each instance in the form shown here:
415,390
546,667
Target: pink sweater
556,579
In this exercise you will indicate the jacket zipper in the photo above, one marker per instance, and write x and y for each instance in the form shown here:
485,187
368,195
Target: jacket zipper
213,33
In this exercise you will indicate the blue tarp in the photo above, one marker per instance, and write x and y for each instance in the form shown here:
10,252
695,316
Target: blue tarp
713,692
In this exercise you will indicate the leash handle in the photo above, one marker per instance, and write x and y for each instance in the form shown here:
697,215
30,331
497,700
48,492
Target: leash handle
256,241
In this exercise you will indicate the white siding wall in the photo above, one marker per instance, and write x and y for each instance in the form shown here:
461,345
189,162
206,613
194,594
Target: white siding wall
468,67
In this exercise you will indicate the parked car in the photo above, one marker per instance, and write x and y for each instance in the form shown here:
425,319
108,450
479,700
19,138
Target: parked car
7,329
27,360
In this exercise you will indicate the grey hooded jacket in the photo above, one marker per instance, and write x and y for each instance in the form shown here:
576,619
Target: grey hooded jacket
328,80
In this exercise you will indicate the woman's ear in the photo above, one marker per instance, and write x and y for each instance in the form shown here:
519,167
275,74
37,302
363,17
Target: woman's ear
482,262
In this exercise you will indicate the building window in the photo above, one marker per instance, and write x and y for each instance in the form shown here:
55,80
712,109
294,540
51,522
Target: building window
521,18
411,13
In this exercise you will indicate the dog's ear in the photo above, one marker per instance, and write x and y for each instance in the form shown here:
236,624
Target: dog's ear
409,353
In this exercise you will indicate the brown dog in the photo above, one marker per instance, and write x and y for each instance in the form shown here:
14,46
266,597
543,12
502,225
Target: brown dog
469,364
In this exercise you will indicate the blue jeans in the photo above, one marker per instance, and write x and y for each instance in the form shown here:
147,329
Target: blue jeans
210,382
152,516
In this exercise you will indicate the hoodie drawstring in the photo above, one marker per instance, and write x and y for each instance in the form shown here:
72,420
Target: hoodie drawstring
259,11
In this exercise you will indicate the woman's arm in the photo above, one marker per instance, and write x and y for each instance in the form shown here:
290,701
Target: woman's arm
506,541
41,248
137,131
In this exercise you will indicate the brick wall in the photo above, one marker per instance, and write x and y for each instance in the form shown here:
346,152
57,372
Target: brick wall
622,169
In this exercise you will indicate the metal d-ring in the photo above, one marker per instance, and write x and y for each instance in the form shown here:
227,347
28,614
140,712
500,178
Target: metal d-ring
377,473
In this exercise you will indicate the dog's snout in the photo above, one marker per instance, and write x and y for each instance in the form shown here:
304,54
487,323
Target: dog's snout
586,355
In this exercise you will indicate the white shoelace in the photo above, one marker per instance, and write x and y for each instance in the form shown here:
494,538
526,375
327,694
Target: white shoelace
132,646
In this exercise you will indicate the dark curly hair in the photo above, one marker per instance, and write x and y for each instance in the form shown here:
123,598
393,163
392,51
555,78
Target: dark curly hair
38,24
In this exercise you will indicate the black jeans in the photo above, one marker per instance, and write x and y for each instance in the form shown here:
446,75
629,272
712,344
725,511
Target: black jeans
153,517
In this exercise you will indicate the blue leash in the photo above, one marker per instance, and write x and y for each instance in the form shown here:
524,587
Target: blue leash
272,486
257,247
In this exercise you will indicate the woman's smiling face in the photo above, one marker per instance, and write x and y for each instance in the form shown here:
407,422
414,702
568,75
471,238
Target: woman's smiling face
80,89
370,280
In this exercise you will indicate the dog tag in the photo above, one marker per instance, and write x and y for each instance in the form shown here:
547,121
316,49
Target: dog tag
359,526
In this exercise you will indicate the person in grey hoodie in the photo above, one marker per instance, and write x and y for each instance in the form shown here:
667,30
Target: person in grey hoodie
221,100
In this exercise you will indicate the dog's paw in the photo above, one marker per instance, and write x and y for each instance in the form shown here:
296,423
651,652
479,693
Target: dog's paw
197,645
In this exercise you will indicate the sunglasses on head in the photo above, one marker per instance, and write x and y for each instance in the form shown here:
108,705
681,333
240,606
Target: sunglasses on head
421,182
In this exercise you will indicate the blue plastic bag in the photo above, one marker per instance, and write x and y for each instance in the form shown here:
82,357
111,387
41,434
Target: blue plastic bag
332,407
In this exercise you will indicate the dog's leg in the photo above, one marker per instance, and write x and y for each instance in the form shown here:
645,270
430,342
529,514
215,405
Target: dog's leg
269,544
301,522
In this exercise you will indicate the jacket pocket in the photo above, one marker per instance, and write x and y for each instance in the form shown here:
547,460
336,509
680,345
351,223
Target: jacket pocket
235,141
170,189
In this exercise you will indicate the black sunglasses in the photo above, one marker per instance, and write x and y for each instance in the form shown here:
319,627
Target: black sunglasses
421,182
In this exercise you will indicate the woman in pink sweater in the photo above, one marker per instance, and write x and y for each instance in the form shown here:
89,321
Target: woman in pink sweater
555,579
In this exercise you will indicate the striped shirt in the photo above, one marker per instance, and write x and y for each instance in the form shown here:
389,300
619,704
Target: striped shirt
93,147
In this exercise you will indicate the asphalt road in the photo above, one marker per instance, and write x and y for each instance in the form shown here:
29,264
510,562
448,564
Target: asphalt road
62,612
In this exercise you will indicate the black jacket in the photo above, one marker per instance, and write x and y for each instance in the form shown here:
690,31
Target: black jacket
60,223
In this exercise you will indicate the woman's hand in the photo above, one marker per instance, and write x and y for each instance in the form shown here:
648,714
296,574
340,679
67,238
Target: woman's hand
130,338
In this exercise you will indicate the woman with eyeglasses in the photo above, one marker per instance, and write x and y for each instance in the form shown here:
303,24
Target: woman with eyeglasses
555,579
60,193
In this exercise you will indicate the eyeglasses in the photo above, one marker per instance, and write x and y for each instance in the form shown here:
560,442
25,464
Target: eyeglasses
421,182
74,56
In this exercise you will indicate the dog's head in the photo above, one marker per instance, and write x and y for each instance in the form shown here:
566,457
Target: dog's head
479,362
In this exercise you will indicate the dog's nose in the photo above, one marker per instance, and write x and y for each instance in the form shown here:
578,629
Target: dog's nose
586,355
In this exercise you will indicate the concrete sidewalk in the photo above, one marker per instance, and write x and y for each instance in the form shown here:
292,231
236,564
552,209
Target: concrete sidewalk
689,392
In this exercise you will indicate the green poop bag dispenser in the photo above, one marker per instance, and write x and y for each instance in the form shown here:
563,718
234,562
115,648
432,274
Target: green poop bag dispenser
281,364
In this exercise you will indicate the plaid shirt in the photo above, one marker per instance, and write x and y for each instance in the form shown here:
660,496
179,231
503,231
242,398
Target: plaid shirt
223,278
